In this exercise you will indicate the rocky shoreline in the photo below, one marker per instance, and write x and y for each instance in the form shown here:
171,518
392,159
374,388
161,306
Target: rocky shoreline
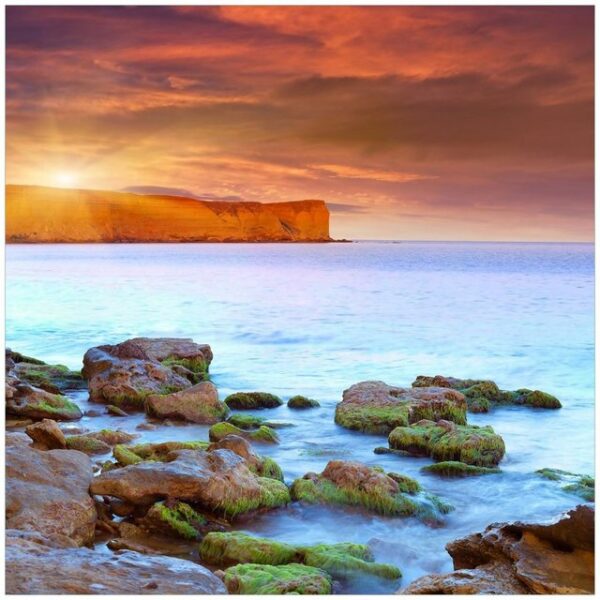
173,507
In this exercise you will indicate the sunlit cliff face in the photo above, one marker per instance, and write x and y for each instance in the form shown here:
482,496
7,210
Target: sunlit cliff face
413,123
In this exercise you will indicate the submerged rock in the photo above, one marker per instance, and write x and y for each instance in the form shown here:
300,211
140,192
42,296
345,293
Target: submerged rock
521,558
300,402
218,481
250,400
483,394
126,374
446,441
580,485
354,484
35,567
283,579
47,492
339,560
375,407
455,468
46,435
262,434
197,404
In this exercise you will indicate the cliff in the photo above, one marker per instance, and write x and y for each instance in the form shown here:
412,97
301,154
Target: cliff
46,215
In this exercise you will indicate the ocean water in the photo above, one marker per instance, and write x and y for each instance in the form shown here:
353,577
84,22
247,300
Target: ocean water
313,320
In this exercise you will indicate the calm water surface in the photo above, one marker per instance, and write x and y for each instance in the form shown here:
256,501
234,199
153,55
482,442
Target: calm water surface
314,319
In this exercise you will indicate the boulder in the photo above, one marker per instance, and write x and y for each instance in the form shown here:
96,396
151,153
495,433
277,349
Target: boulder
455,468
126,374
300,402
556,557
26,401
262,434
198,404
251,400
48,492
573,483
483,394
98,442
218,481
46,435
355,484
32,567
284,579
376,407
132,455
446,441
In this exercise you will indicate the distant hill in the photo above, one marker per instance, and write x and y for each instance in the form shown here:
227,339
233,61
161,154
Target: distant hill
37,214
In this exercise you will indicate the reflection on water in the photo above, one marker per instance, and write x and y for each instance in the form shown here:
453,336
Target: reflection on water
313,319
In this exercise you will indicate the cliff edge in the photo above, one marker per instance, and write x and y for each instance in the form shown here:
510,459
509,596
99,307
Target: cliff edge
37,214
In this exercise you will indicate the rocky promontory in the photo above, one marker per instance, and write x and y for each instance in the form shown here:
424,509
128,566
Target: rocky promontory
36,214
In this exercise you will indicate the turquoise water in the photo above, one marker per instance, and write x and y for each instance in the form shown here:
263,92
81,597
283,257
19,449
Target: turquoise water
314,319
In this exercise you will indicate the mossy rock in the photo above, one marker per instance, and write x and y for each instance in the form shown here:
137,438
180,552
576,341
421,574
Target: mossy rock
580,485
38,404
371,489
271,469
251,400
176,518
246,422
52,378
194,369
273,494
262,434
535,399
132,455
454,468
224,549
283,579
86,444
371,419
301,402
444,441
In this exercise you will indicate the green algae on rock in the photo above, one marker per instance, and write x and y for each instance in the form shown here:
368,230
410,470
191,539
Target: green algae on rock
132,455
250,400
98,442
483,394
375,407
339,560
455,468
177,518
52,378
301,402
580,485
262,434
446,441
248,422
23,400
355,484
283,579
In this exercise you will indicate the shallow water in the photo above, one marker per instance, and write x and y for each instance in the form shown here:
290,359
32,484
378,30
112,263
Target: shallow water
314,319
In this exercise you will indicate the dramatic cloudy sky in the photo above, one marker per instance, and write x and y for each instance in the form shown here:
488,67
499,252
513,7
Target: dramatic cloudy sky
413,123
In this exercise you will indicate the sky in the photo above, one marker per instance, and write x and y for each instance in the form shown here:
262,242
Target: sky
412,123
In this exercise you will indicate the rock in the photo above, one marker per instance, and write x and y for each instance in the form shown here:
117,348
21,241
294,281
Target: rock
46,435
179,519
339,560
218,481
375,407
12,423
469,444
24,400
262,434
125,375
132,537
519,558
198,404
16,357
284,579
262,466
482,394
580,485
17,440
302,402
249,422
250,400
98,442
116,411
47,492
34,568
146,427
354,484
132,455
454,468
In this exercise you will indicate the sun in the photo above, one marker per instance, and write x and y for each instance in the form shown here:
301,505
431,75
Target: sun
65,179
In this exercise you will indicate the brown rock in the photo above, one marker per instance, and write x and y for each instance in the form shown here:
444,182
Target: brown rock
24,400
46,435
549,558
32,567
198,404
48,492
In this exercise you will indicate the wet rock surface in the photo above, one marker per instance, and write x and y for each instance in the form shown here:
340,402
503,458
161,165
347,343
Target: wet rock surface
521,558
376,407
